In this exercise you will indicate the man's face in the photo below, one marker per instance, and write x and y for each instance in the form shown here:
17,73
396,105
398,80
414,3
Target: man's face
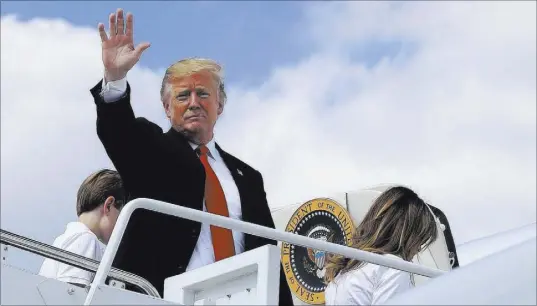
192,105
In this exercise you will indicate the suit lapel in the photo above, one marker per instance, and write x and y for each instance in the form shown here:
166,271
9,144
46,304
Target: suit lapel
240,181
187,160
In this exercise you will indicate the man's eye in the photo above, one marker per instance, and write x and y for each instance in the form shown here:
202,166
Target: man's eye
182,97
202,93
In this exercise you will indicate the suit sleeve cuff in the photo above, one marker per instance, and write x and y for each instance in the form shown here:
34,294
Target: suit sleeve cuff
113,91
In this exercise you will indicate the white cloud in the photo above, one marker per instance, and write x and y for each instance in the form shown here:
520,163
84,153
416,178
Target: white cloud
453,114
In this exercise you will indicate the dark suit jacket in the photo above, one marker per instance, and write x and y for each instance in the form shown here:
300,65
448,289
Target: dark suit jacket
164,167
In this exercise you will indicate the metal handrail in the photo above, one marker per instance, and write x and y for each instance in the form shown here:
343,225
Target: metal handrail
244,227
73,259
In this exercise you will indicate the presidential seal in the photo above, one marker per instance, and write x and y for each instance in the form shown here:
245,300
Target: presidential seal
304,268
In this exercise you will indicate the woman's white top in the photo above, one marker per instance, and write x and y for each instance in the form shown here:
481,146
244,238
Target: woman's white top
367,285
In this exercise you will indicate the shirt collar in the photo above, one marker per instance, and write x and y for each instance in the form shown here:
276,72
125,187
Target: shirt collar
77,226
211,146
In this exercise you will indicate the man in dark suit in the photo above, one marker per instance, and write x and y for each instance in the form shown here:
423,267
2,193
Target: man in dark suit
183,166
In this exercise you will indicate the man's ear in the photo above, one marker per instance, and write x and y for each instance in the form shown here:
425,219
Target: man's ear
167,109
108,204
220,108
166,103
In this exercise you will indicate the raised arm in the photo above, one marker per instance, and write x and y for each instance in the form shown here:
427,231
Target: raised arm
127,140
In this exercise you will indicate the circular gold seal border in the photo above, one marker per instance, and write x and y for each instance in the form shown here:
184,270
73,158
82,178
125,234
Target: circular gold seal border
317,204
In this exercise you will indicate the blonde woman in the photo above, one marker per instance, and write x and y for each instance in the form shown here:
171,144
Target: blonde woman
399,224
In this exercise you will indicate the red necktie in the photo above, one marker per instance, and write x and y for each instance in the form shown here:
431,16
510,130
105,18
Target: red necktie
215,202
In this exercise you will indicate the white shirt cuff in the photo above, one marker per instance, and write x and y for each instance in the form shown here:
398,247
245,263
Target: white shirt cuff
112,91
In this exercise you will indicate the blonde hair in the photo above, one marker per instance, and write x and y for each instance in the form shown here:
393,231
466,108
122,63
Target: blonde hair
192,65
399,223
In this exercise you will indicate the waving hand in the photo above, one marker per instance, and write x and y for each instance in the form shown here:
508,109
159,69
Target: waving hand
118,51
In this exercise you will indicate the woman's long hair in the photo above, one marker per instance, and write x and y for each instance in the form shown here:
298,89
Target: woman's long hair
398,223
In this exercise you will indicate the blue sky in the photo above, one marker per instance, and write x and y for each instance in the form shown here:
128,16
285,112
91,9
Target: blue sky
247,37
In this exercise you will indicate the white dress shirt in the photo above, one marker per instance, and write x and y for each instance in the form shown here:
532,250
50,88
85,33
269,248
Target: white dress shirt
367,285
203,253
79,239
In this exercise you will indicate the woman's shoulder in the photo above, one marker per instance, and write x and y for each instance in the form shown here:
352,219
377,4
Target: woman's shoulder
386,270
368,284
371,273
375,273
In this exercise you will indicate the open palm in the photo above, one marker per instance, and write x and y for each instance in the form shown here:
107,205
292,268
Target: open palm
118,51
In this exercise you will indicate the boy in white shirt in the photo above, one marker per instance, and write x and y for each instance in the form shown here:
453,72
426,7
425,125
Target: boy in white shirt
99,200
